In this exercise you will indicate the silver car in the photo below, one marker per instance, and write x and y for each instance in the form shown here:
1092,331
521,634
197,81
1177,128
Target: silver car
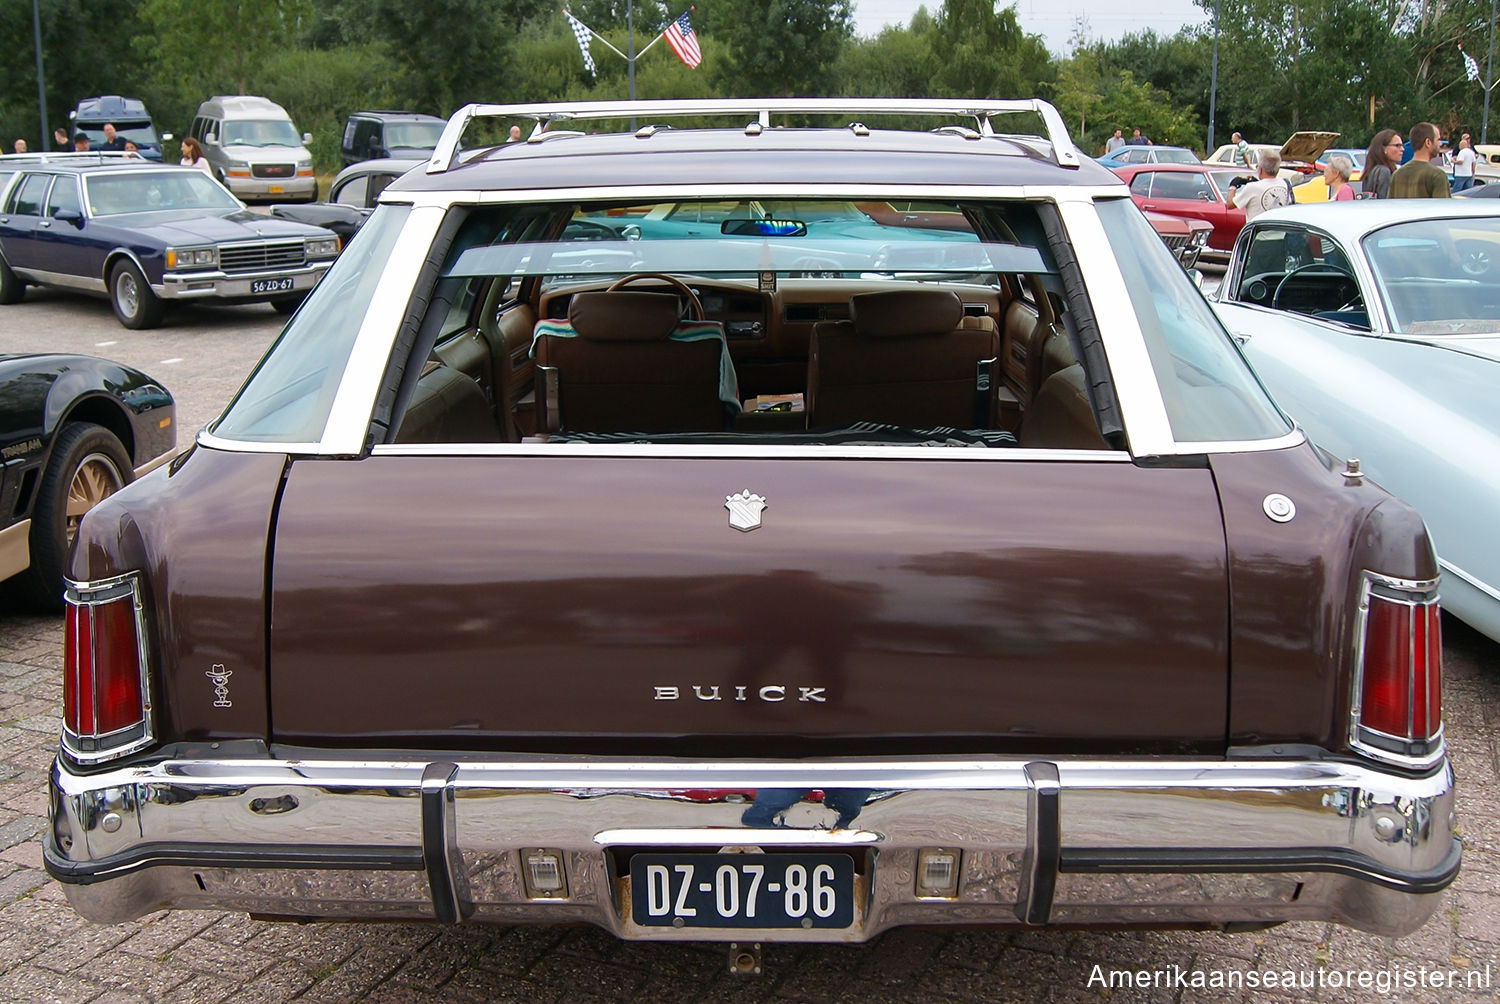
1376,325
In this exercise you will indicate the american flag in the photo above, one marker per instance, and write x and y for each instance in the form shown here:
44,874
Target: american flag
683,42
581,32
1471,65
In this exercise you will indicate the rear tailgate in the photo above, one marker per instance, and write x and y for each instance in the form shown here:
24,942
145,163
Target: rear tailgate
566,601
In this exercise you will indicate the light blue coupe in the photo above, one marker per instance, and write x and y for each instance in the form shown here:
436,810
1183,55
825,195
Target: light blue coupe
1376,325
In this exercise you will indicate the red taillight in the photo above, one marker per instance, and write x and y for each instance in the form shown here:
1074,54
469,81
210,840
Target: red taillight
1400,706
105,708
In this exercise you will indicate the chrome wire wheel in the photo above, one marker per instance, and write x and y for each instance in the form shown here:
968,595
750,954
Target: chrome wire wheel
96,479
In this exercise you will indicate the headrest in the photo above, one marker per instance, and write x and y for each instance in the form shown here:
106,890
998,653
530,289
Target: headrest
624,316
901,313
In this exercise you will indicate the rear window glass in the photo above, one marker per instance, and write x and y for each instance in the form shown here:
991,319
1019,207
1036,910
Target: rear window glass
1210,393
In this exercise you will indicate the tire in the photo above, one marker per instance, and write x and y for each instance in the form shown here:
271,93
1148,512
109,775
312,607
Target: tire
11,286
88,464
287,304
135,305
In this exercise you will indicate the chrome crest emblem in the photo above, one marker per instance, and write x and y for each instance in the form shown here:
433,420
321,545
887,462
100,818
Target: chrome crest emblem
744,510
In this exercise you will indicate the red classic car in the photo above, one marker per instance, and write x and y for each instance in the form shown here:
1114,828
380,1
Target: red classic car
632,530
1190,191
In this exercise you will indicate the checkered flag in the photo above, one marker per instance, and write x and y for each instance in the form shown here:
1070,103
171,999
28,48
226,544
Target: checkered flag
582,32
1471,65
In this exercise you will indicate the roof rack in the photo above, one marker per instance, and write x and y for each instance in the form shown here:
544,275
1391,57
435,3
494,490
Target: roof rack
59,156
981,111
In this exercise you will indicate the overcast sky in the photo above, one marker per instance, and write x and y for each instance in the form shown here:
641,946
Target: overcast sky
1053,19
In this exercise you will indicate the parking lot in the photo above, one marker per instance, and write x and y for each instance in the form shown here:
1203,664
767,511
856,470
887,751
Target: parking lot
48,953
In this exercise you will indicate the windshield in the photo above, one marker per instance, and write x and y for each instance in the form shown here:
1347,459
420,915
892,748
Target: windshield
260,132
1165,156
767,238
413,134
1439,277
139,133
149,191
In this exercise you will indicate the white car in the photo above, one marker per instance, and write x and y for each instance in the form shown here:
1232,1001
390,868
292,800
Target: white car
1376,325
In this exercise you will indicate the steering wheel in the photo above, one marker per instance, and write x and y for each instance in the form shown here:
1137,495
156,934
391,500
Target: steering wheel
1327,270
694,305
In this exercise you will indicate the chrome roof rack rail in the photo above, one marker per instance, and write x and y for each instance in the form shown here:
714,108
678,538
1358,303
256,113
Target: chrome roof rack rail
759,110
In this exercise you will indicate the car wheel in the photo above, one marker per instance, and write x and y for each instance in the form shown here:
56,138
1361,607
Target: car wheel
287,304
11,286
88,465
129,293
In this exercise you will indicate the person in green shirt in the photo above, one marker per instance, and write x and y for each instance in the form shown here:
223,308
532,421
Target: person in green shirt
1419,178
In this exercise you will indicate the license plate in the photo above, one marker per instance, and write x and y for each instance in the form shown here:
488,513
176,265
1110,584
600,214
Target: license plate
275,189
270,285
742,890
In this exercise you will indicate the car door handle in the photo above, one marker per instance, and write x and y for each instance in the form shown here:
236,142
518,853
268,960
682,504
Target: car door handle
45,223
1147,205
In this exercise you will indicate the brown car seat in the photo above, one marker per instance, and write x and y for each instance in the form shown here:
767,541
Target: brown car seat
624,363
905,357
1061,416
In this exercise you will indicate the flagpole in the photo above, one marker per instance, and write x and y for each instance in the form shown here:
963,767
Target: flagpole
1489,79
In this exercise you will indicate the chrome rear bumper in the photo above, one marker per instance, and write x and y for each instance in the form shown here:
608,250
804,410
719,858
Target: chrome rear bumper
1090,842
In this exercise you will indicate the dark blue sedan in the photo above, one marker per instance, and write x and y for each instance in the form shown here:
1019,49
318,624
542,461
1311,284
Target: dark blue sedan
146,234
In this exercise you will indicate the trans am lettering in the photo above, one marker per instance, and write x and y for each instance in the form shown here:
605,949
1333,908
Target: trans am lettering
773,693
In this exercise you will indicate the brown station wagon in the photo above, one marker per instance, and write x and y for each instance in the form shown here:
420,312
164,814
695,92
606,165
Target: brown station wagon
787,529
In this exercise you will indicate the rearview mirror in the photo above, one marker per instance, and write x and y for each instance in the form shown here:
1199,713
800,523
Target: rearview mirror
763,228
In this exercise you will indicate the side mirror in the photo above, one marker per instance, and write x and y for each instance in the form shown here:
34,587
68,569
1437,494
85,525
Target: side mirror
167,137
72,216
1197,276
306,138
210,139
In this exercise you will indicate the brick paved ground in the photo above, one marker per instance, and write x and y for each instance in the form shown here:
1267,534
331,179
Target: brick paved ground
48,953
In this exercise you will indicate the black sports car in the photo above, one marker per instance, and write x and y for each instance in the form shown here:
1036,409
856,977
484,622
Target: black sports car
145,235
73,430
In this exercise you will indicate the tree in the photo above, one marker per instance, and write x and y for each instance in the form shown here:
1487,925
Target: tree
780,48
217,42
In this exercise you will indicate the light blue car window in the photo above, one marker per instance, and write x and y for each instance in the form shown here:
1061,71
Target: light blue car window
289,395
1210,393
1439,277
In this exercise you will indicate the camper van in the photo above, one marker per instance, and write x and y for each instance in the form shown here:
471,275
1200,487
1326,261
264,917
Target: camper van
255,150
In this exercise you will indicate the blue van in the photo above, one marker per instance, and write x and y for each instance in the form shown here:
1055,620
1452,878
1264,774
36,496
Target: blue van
127,115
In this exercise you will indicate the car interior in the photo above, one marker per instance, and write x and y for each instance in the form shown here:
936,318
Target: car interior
777,321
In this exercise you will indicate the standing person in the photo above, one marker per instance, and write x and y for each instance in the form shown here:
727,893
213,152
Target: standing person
81,143
20,146
1242,152
111,141
515,135
1136,139
1336,174
1420,178
1114,142
1380,163
60,139
192,156
131,150
1463,163
1266,192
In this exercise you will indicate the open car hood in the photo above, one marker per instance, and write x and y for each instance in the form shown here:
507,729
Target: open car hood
1307,146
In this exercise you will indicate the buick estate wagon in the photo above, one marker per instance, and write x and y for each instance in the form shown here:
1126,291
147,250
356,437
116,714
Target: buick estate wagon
823,516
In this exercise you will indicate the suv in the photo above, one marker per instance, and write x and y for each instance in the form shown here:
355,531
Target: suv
368,135
128,116
767,531
254,149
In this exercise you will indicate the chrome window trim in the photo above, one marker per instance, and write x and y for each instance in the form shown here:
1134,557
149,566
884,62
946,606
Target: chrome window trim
1419,593
348,424
1142,409
746,452
210,441
89,594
